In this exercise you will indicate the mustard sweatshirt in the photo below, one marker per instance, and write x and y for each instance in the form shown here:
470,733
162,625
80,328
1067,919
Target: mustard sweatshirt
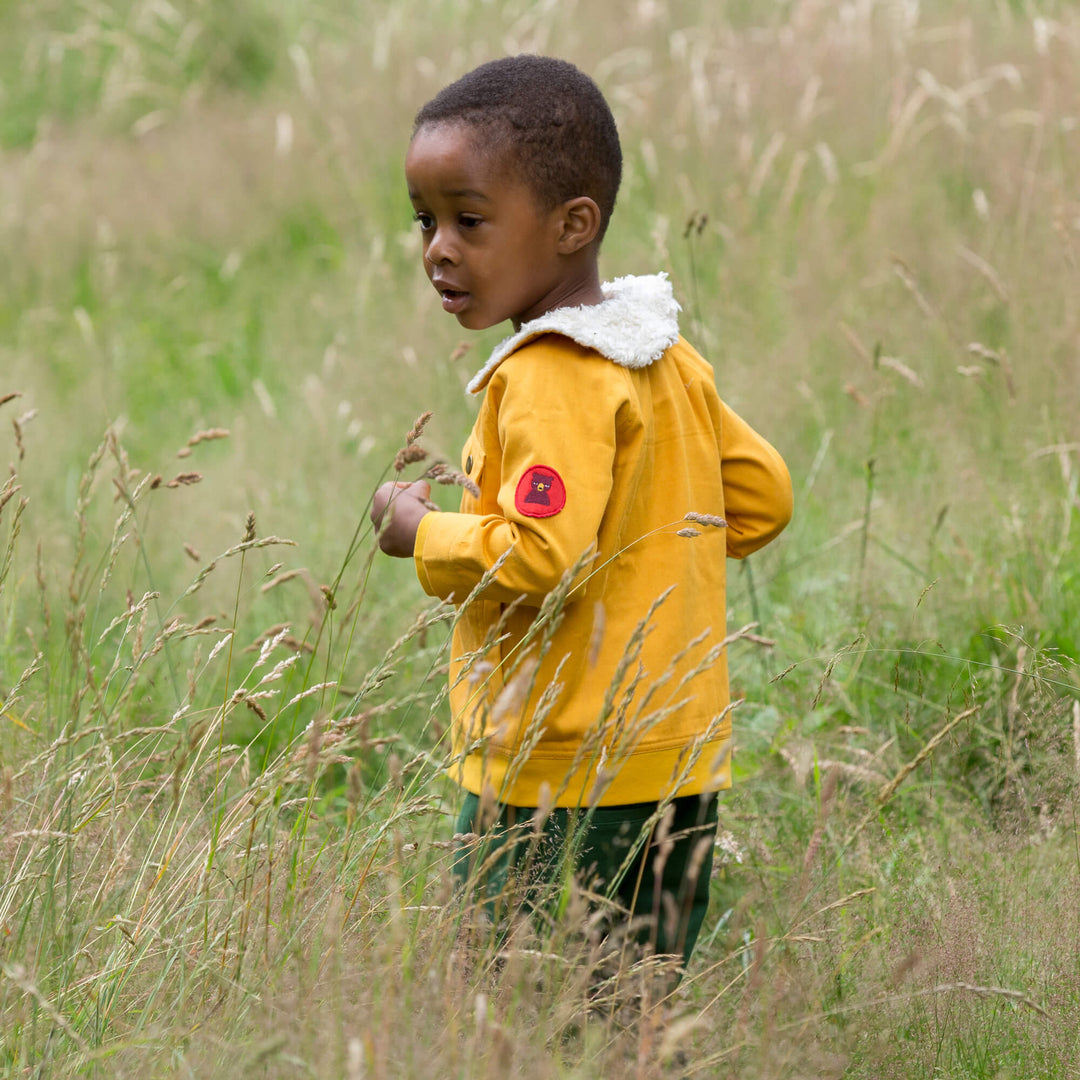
599,430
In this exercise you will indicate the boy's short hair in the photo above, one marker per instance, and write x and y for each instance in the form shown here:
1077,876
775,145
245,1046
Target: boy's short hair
549,118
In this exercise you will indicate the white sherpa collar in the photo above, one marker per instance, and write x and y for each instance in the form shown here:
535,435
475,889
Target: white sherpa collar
633,325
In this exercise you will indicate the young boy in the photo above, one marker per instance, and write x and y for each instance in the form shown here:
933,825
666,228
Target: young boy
599,431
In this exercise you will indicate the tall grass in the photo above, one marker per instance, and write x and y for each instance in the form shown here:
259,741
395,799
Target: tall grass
224,821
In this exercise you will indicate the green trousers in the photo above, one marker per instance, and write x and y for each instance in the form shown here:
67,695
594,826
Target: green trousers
664,888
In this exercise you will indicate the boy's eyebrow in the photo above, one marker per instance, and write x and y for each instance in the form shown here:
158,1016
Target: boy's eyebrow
456,193
468,193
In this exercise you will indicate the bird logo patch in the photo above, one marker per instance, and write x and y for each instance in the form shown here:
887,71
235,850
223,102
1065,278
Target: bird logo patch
540,492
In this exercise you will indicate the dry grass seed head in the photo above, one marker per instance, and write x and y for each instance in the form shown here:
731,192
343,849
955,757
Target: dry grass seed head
407,455
715,520
418,428
184,479
8,491
257,709
442,473
354,786
208,435
596,637
410,453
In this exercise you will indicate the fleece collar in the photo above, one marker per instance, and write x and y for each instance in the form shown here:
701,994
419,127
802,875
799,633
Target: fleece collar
636,322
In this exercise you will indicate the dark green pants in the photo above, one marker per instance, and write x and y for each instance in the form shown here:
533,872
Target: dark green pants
665,887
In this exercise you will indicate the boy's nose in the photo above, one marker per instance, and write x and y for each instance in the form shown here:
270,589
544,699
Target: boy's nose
440,249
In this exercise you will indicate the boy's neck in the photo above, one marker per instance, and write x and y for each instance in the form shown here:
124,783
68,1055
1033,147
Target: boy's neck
579,287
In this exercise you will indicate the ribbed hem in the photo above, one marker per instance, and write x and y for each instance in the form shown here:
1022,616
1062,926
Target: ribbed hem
646,776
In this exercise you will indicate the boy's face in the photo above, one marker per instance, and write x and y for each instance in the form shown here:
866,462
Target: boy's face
489,249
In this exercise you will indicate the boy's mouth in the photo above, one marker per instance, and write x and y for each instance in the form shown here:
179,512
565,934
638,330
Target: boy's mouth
453,300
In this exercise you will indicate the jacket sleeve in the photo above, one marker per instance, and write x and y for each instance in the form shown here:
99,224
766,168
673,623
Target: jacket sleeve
551,413
757,487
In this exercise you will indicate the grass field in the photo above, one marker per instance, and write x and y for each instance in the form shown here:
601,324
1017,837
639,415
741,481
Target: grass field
223,824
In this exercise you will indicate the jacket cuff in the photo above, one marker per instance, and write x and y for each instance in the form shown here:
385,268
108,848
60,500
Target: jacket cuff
433,551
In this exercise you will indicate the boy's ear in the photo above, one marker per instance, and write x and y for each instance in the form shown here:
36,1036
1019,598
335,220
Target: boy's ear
580,222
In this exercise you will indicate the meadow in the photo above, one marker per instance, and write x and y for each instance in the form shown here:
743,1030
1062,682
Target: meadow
224,817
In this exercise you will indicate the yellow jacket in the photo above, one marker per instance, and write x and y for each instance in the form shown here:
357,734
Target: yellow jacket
599,430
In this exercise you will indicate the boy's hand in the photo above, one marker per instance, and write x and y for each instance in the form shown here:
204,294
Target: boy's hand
407,504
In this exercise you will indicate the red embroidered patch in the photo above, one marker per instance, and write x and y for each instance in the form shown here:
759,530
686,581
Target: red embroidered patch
540,492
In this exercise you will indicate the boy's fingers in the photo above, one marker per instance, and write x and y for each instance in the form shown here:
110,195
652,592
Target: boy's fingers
387,494
379,502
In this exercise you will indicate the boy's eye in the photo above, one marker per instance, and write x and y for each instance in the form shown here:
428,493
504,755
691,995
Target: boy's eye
469,221
426,221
